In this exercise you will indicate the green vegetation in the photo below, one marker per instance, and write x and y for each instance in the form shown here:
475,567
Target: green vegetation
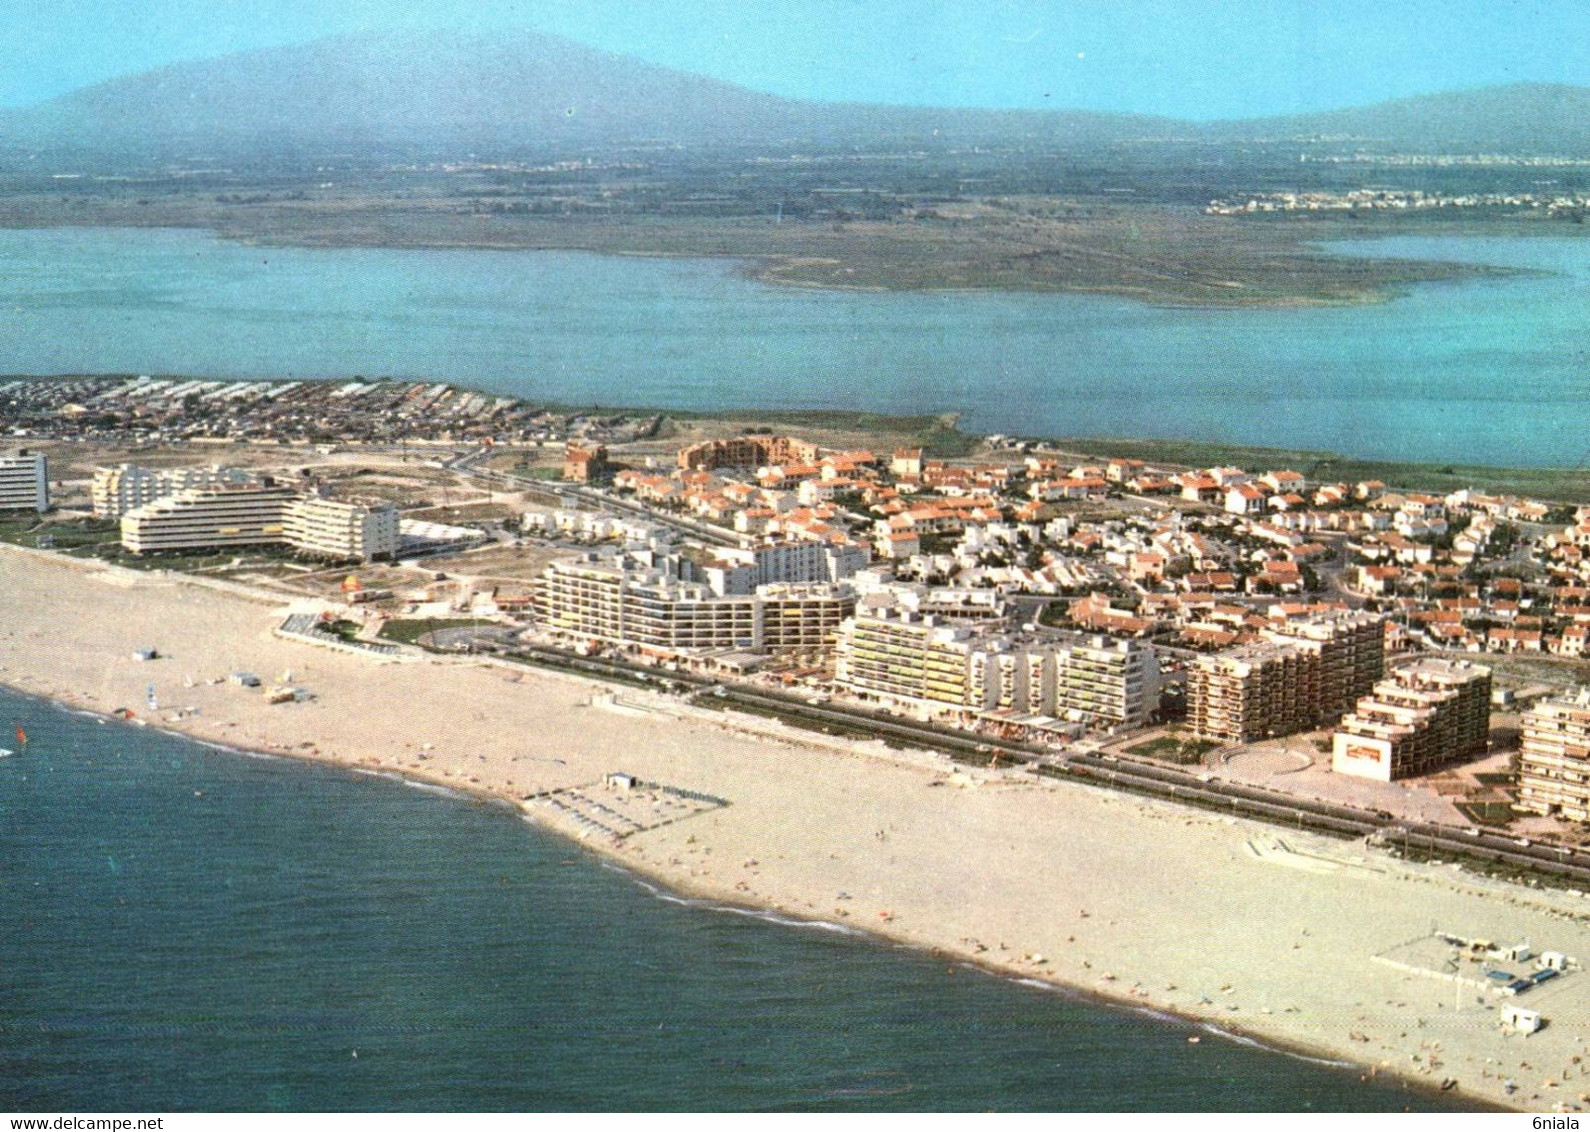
1174,748
1565,484
1487,813
66,535
20,528
544,472
409,631
1029,240
342,629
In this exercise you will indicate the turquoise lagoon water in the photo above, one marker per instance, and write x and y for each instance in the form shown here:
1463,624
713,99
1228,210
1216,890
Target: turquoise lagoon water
183,928
1485,371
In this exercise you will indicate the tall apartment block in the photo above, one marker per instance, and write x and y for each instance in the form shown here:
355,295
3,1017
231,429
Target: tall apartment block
208,519
1351,647
1554,764
913,660
632,602
119,489
220,518
339,529
1301,675
24,482
899,656
1422,717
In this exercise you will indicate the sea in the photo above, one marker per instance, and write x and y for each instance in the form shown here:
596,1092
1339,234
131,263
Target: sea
1483,371
189,928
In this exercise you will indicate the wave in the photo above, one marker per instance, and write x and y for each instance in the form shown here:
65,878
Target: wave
785,921
224,748
1255,1043
668,897
733,909
263,756
1166,1018
432,788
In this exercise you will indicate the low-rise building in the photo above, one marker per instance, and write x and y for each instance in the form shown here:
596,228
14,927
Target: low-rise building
585,463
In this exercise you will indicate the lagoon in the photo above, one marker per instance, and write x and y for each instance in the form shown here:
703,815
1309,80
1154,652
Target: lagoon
1486,371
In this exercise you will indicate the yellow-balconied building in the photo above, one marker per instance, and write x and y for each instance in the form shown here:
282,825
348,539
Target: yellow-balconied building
1554,759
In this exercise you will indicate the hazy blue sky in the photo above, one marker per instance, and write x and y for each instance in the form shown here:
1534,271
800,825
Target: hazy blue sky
1187,58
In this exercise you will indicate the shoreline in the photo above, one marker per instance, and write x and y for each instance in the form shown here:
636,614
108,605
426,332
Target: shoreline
776,265
1171,451
663,886
984,869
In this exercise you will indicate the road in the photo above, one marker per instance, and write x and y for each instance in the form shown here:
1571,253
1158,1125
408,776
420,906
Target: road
1139,776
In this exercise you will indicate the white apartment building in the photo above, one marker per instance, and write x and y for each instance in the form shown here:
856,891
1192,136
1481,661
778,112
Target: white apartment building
216,518
1554,766
901,657
119,489
208,519
1422,717
1100,680
740,570
24,482
333,528
626,599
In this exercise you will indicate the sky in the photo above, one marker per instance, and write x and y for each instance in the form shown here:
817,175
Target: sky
1195,59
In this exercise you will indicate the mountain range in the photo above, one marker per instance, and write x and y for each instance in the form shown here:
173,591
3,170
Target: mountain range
496,95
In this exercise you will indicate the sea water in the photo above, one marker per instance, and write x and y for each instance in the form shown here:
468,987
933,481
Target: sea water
1485,371
187,928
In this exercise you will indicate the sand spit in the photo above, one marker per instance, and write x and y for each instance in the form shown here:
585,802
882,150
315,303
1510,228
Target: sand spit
1240,927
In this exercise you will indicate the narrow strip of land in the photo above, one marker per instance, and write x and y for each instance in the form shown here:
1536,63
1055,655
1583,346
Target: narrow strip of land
1131,898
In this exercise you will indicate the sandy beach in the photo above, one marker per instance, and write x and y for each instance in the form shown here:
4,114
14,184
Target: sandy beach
1303,942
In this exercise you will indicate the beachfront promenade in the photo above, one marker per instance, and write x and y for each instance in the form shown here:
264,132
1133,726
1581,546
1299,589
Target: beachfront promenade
1143,901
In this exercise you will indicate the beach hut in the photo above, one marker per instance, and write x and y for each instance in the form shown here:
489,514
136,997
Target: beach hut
617,781
1517,1020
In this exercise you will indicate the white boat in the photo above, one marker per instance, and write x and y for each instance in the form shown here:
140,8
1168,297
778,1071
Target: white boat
5,753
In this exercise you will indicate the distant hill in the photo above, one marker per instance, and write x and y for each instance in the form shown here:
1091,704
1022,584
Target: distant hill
1518,118
461,93
496,94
